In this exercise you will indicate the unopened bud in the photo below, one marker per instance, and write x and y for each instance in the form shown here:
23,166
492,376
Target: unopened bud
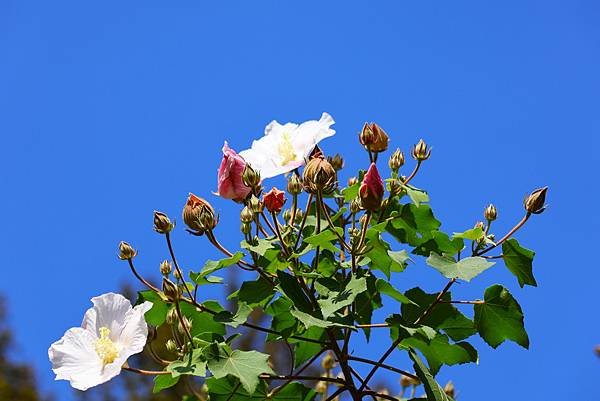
170,289
250,177
395,188
405,381
294,185
246,215
126,252
177,275
246,228
166,267
321,387
328,362
274,200
449,389
421,151
490,213
355,206
172,316
352,181
184,325
371,189
336,162
198,214
255,205
479,224
171,346
287,215
162,223
373,138
396,160
535,202
319,175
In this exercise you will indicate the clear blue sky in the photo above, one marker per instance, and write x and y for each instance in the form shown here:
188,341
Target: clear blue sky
109,110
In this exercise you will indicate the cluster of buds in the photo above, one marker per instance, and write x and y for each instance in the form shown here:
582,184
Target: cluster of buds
373,138
319,176
199,215
421,151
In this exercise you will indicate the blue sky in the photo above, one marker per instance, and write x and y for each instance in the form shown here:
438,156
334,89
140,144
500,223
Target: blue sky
109,110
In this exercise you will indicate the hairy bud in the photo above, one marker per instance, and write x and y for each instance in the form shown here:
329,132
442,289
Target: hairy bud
246,215
319,175
371,189
255,205
373,138
198,214
162,223
166,267
250,177
336,162
274,200
126,251
490,213
396,160
170,289
535,202
421,151
294,186
328,362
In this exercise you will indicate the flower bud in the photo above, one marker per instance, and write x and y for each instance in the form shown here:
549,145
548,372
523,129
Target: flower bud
479,224
287,215
162,223
490,213
449,389
319,175
321,387
198,214
535,203
166,267
126,252
172,316
170,289
405,381
355,206
177,275
246,228
251,177
396,160
371,189
336,162
328,361
274,200
184,325
395,188
421,151
352,181
171,346
294,186
373,138
246,215
255,204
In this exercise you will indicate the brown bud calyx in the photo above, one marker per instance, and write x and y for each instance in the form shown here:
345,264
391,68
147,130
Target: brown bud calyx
421,151
246,215
319,176
536,202
294,186
165,267
251,177
336,162
373,138
396,160
490,213
126,251
170,289
198,214
162,223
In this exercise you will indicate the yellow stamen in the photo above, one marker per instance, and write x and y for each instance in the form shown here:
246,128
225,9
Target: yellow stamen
105,348
286,150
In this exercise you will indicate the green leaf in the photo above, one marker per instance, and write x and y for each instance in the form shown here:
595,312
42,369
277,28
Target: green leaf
304,350
227,389
500,318
234,320
162,382
519,261
386,288
380,256
417,196
337,300
351,192
291,289
366,303
203,322
309,321
443,317
158,313
191,364
465,269
212,266
247,366
438,242
324,240
472,234
283,322
433,390
440,352
260,247
328,265
255,293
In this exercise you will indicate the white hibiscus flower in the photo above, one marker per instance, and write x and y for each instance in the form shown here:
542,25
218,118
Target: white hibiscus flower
285,147
94,353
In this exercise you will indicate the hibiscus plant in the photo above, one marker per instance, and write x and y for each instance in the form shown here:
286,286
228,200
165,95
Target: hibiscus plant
319,269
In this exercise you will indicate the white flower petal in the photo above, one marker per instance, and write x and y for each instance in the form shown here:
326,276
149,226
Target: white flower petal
134,333
74,358
109,311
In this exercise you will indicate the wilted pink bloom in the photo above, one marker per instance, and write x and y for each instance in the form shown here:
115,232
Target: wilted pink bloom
274,200
371,189
231,185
